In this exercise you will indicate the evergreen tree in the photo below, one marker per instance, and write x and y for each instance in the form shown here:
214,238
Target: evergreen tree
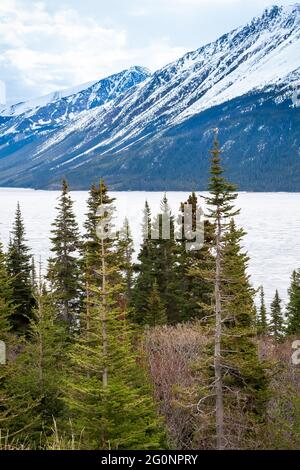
16,408
35,374
145,271
158,259
293,307
277,322
100,206
108,397
63,271
126,249
156,314
6,292
232,371
220,203
19,266
195,289
165,257
262,321
245,382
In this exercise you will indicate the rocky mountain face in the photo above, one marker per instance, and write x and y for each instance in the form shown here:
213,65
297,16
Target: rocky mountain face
142,131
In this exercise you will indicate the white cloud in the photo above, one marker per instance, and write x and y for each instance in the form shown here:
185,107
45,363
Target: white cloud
46,51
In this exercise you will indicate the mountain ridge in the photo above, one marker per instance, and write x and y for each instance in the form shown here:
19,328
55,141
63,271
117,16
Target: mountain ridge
257,63
32,104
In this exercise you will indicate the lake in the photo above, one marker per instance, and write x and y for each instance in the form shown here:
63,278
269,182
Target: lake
272,222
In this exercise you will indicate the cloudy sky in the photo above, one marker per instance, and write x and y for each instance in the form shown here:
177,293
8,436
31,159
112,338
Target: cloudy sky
53,44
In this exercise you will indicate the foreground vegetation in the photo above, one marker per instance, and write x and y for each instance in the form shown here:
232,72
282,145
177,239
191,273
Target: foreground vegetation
168,352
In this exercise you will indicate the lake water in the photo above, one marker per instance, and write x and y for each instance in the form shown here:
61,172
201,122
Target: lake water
272,222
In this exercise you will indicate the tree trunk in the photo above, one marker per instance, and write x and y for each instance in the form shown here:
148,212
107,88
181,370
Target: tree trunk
218,336
104,319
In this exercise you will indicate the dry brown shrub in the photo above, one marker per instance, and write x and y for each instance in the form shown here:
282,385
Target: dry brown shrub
171,352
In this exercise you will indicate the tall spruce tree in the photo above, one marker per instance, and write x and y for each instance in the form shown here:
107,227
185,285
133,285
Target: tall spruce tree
100,206
262,321
245,382
19,266
235,384
293,307
277,321
220,203
63,271
107,394
98,197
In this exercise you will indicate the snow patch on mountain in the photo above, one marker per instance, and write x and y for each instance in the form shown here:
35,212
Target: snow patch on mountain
31,105
262,65
84,95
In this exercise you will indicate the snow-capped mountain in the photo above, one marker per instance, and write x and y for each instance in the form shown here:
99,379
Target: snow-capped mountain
33,104
155,133
62,106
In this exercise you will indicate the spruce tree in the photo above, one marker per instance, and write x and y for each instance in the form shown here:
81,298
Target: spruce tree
262,321
145,273
98,198
15,405
156,313
99,201
276,321
17,417
159,258
165,256
6,292
34,376
245,382
63,271
195,289
293,307
125,249
109,401
19,266
233,380
220,203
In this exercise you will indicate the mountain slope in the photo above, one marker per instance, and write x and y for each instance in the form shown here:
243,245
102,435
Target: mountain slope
53,111
136,140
